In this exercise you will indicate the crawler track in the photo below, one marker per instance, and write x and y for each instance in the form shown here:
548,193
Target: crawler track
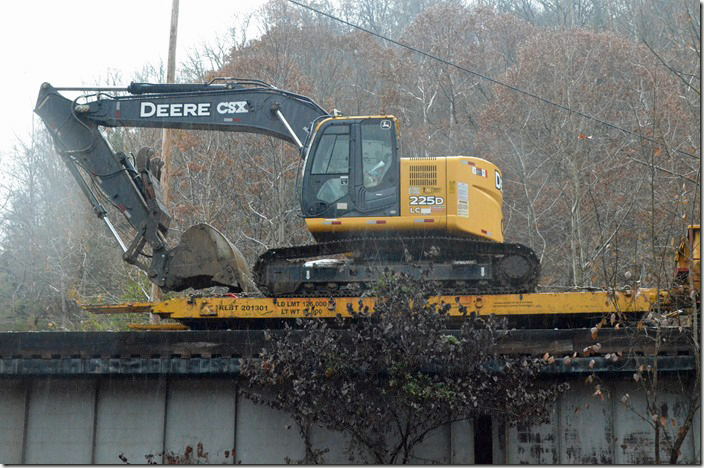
454,265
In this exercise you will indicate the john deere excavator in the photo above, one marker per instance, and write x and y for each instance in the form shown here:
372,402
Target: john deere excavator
368,208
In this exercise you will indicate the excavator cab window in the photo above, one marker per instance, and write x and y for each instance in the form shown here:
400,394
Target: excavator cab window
352,169
377,153
377,175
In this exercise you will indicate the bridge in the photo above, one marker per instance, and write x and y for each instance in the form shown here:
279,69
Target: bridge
165,397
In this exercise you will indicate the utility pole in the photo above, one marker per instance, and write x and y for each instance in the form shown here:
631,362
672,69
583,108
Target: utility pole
166,145
167,136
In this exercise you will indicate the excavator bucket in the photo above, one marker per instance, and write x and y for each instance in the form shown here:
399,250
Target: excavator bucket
204,258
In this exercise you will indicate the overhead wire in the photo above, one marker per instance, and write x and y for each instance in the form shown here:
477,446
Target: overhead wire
488,78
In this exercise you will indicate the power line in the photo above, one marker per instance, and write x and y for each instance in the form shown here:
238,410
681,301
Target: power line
488,78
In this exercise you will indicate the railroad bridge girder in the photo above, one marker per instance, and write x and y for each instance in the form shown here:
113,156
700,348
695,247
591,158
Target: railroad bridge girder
110,402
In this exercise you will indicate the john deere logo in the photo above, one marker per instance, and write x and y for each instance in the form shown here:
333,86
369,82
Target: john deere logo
386,124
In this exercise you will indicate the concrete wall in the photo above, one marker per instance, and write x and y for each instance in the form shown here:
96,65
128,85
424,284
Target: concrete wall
58,420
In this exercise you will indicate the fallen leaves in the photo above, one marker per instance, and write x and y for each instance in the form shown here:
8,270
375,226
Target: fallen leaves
597,392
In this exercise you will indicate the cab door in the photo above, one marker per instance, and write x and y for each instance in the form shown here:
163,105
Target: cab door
376,168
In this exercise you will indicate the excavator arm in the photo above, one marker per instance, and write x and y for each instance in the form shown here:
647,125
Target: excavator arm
204,257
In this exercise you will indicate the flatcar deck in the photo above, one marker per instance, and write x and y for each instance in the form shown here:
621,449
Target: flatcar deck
206,312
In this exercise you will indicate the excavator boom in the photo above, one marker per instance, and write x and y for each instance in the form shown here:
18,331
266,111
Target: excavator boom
239,106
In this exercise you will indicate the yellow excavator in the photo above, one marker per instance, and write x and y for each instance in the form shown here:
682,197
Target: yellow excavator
369,208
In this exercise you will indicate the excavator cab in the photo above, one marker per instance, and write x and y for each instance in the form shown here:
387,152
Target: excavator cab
352,168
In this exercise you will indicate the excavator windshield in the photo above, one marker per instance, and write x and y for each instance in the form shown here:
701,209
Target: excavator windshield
333,152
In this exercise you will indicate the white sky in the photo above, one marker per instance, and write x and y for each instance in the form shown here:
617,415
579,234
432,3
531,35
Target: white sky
74,42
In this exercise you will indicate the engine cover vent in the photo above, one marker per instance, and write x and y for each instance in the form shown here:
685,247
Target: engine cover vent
423,175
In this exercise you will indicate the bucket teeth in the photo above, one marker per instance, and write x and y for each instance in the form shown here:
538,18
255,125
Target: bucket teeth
205,258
